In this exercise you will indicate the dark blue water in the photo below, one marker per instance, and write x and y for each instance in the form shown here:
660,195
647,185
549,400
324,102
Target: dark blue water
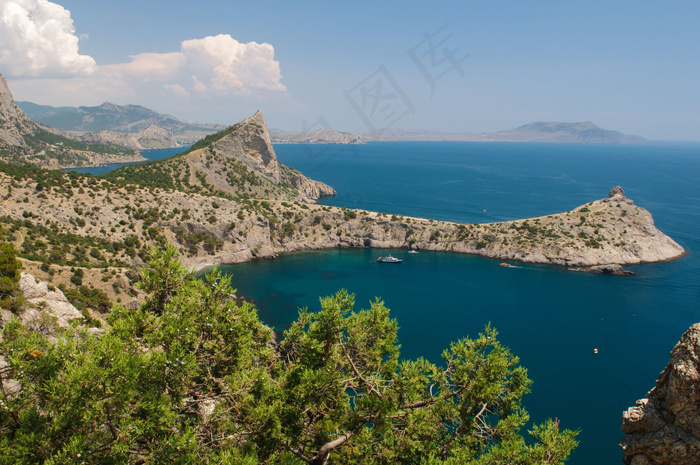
153,154
552,318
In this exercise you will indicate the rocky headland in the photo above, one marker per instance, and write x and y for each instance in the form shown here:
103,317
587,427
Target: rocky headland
664,427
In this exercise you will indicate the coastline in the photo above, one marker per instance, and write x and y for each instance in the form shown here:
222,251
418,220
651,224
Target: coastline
594,237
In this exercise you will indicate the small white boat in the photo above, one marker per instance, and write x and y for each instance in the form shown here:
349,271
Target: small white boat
412,251
389,259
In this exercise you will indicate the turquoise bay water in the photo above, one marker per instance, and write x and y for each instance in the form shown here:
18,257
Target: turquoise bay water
153,154
550,317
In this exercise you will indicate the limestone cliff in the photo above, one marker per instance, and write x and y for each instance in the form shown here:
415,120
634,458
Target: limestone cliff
13,121
237,162
664,427
125,140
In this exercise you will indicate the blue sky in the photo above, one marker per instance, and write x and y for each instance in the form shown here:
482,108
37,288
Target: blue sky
628,66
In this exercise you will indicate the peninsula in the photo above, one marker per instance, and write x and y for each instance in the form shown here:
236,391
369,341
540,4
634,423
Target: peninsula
229,200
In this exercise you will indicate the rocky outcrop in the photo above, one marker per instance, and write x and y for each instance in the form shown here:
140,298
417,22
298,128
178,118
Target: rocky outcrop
46,309
39,297
248,144
110,137
155,137
664,427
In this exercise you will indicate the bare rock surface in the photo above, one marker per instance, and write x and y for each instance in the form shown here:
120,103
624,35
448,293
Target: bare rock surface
13,121
40,299
111,137
664,427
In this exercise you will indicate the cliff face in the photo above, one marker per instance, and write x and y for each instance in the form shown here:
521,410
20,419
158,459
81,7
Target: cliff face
664,427
110,137
13,121
247,151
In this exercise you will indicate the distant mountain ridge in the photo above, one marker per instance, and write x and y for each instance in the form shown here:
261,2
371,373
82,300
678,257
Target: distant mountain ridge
125,119
577,133
319,136
130,119
23,141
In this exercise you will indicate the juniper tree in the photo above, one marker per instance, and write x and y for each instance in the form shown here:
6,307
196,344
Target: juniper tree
193,376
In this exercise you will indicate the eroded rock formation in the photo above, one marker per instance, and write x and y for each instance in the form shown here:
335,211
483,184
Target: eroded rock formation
664,427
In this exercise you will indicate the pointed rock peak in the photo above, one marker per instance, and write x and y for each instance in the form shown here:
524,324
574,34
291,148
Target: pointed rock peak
257,119
617,190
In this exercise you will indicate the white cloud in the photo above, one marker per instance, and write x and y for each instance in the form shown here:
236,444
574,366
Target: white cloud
214,76
178,90
212,66
224,64
37,38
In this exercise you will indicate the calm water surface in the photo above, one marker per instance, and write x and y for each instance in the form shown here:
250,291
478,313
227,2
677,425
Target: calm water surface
550,317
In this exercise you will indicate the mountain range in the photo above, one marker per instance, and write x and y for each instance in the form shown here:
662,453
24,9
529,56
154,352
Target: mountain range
129,119
125,119
578,133
24,141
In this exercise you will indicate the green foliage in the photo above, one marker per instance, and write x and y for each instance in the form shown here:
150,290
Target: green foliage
192,377
10,269
85,297
210,139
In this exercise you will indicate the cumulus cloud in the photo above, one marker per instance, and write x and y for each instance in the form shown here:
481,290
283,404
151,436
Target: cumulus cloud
217,74
37,38
224,64
214,65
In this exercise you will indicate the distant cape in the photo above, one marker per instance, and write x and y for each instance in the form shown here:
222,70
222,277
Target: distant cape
578,133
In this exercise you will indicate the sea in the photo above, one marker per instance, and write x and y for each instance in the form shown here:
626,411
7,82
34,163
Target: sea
592,344
553,318
149,155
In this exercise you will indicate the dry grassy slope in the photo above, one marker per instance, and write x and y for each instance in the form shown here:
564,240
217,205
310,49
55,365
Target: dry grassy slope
211,230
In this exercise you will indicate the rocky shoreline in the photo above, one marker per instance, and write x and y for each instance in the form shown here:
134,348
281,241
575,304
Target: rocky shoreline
598,237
